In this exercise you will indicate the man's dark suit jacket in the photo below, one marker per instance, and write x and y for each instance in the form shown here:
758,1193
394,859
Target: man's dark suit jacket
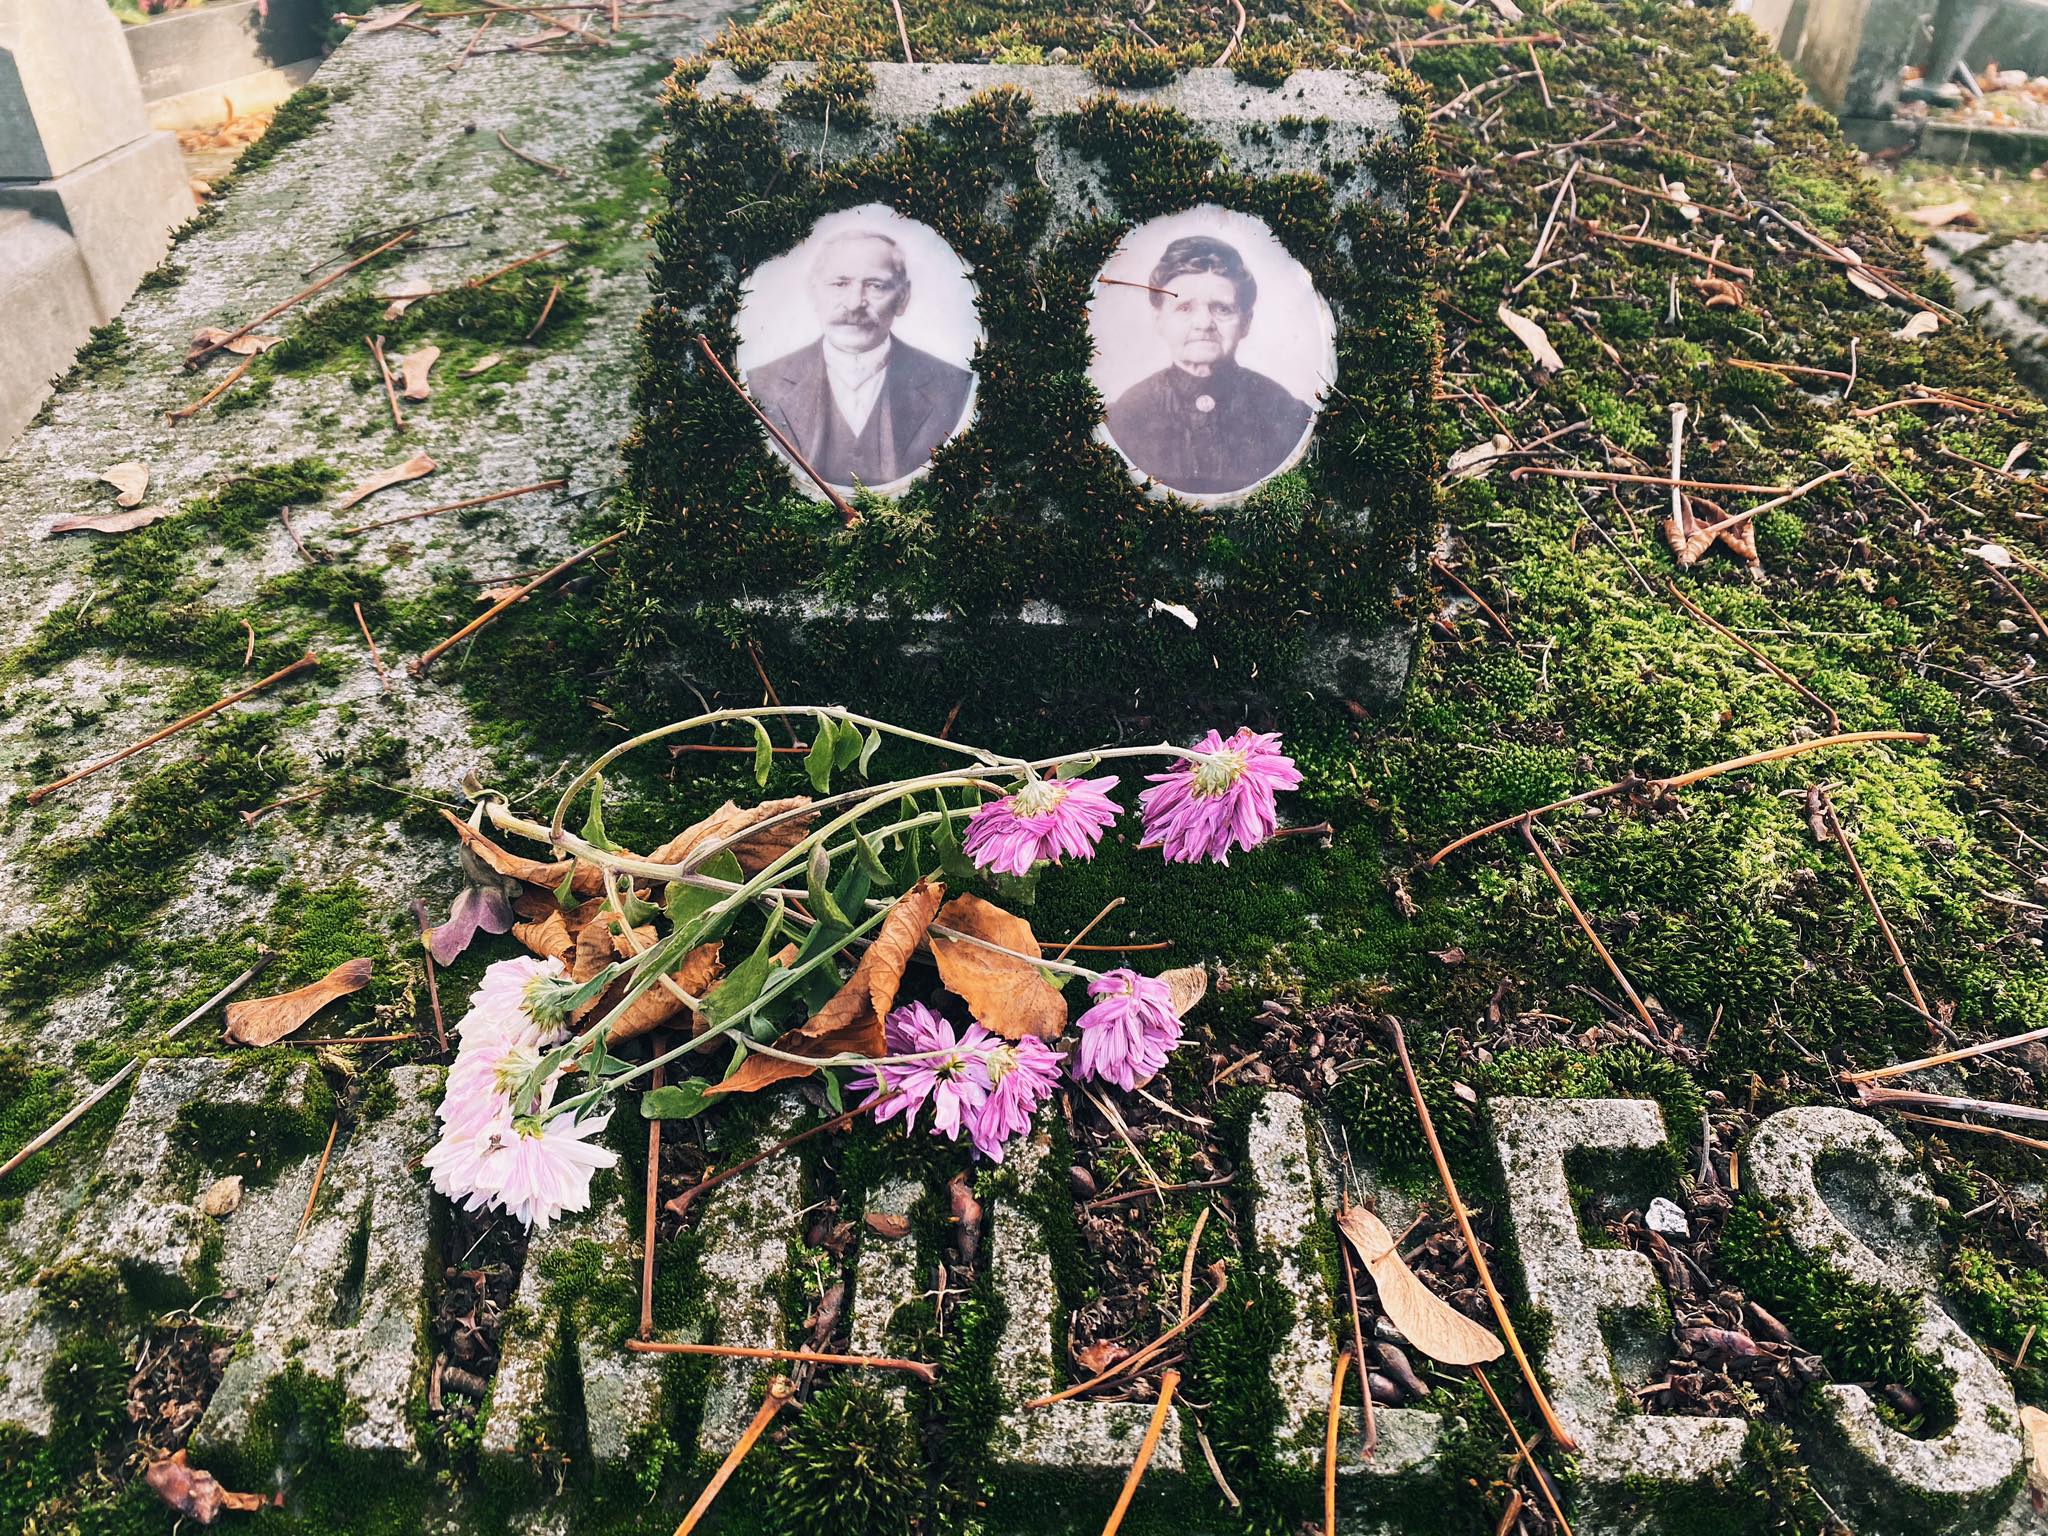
922,401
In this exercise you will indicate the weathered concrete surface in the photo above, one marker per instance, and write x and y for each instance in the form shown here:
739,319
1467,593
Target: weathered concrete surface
1580,1287
347,1305
1853,1201
395,143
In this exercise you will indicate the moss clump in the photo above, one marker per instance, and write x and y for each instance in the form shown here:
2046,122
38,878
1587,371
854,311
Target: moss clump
850,1464
296,117
2004,1302
258,1132
1862,1331
1617,1072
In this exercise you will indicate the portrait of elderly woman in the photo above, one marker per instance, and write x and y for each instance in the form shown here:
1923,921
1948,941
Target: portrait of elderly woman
857,396
1212,422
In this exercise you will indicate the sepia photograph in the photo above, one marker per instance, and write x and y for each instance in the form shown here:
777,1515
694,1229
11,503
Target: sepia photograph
857,345
1212,349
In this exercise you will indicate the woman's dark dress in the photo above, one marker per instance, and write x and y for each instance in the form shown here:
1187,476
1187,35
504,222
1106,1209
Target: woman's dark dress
1208,437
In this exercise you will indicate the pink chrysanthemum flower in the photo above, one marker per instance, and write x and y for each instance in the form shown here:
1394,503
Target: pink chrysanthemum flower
540,1169
1203,809
1046,819
1126,1036
954,1079
508,999
1021,1077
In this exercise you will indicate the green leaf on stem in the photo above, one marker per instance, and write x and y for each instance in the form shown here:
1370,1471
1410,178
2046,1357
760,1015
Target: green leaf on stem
943,835
845,744
1076,767
743,984
764,753
865,851
678,1101
817,878
638,913
565,893
818,985
593,824
818,761
687,903
832,1095
867,751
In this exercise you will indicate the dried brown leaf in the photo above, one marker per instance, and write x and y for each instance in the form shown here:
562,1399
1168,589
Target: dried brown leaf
887,1225
483,364
388,20
112,522
754,853
193,1492
852,1020
548,937
266,1020
658,1007
2034,1431
1009,997
413,368
1424,1319
414,468
1861,280
589,879
405,295
1925,322
215,338
1187,985
1940,215
1534,337
130,478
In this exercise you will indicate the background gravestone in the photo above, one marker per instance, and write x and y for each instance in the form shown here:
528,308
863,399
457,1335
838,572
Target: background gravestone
1028,561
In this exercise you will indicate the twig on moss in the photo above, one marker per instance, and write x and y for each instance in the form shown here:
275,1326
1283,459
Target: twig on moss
534,160
917,1368
201,354
1883,1098
78,1111
255,817
1619,477
1472,1249
187,412
1693,608
554,293
1168,1380
779,1392
902,30
1962,1053
1132,1364
1089,927
1585,927
1330,1435
1236,36
1825,807
510,266
376,346
1485,607
1530,39
458,506
654,1046
774,698
1371,1420
1812,373
795,454
1671,248
44,791
248,650
1712,531
1998,1131
475,38
419,916
1564,190
2018,596
419,667
376,658
319,1174
1636,785
1522,1450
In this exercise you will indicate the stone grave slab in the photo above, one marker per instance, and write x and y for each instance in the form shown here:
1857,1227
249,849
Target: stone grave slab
1108,518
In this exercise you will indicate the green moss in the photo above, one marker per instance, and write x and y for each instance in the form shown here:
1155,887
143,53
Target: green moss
851,1463
296,118
2004,1302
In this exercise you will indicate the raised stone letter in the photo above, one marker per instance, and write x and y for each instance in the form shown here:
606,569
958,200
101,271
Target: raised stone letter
1939,1483
1282,1158
1075,1436
1577,1286
347,1303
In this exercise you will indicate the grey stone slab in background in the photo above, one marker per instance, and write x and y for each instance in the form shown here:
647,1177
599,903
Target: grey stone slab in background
1578,1287
884,1276
1851,1199
347,1305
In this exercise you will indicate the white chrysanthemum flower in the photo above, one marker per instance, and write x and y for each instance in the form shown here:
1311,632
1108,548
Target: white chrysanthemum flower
544,1167
504,1003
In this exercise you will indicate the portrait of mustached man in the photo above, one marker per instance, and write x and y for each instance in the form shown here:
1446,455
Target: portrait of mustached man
861,404
1205,424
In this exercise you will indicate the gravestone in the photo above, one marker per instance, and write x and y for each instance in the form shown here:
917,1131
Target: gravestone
1155,372
101,191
